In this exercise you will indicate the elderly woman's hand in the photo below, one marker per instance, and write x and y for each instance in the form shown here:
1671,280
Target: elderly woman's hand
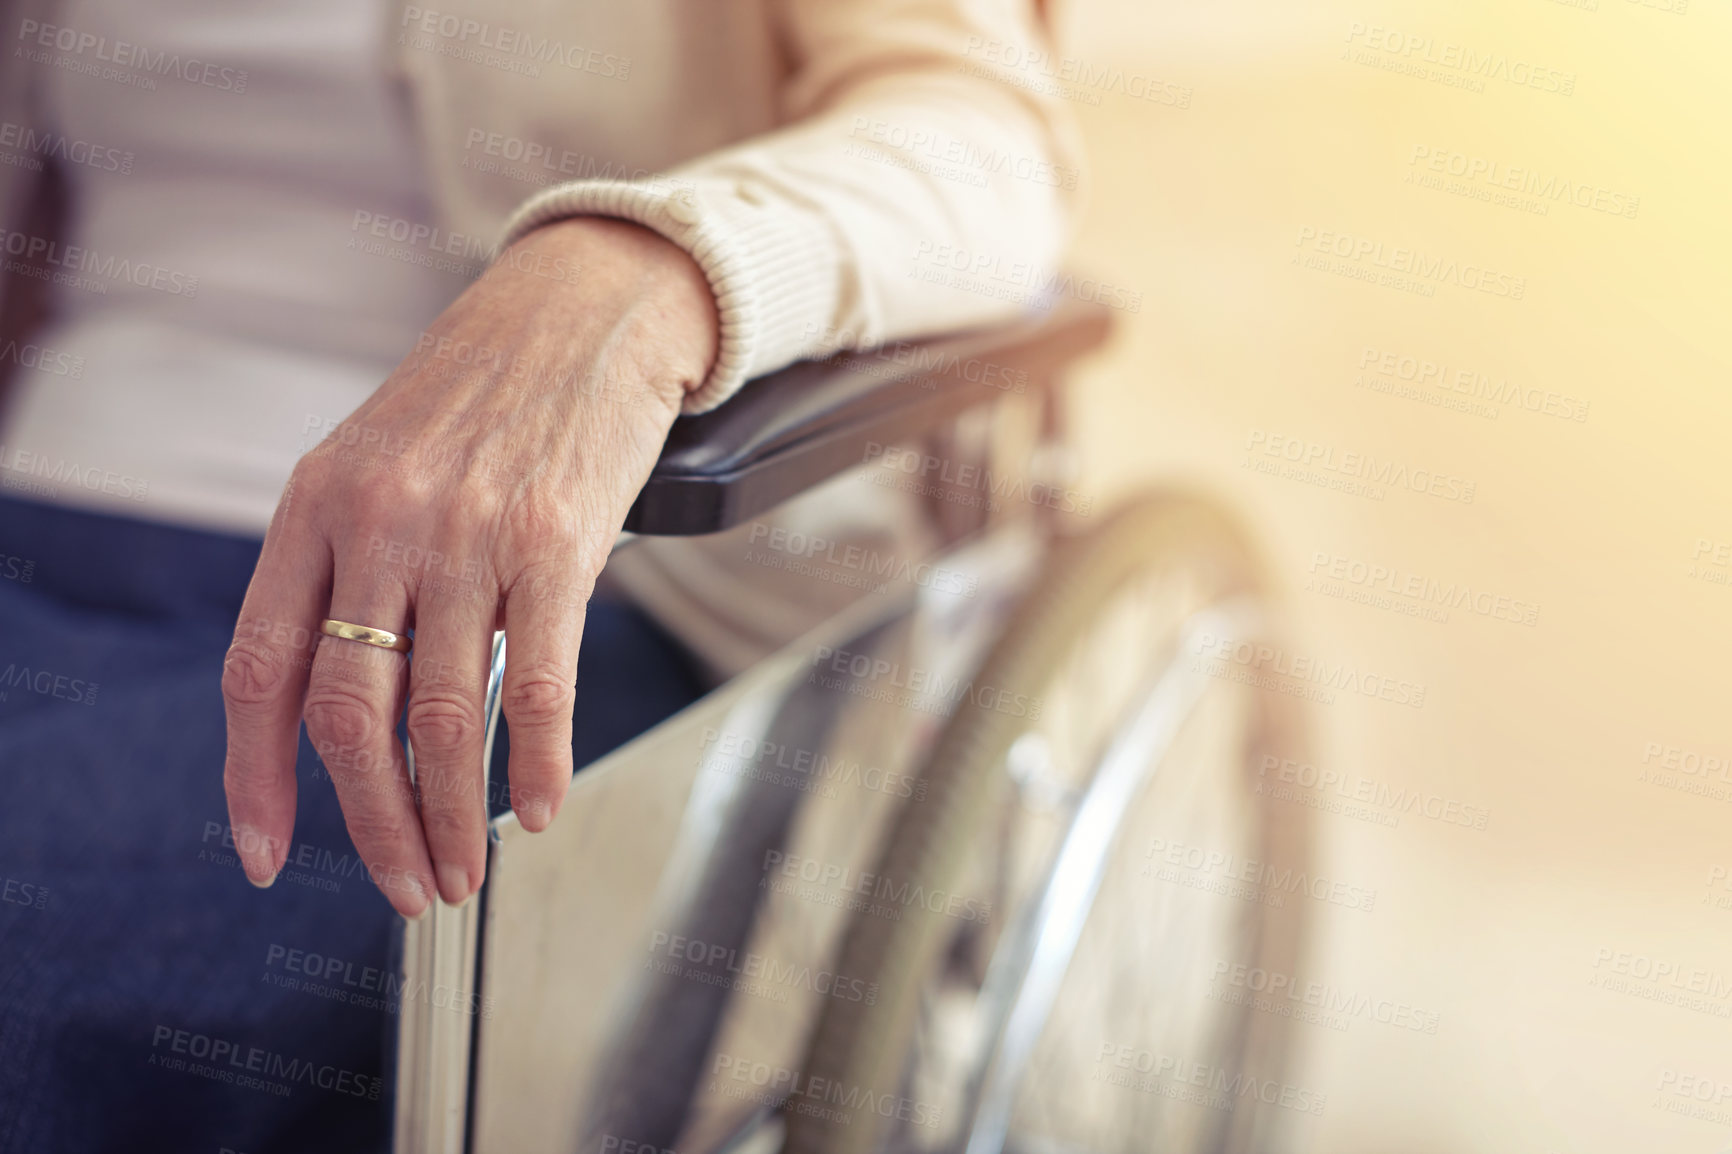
480,487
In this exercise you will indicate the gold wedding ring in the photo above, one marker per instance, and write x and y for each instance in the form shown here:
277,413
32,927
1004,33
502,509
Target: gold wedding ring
383,638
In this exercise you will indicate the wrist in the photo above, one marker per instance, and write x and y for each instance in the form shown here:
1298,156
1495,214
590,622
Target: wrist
638,270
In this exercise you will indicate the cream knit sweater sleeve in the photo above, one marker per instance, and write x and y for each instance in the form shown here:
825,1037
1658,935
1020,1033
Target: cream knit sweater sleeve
922,181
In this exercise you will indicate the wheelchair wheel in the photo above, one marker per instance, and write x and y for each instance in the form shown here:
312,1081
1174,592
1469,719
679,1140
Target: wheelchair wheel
1049,920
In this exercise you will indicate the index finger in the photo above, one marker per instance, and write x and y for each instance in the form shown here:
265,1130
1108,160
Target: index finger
264,681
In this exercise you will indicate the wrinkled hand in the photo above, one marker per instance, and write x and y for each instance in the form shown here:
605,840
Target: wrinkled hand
480,487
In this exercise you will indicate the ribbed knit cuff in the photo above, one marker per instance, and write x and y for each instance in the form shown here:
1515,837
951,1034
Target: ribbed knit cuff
774,267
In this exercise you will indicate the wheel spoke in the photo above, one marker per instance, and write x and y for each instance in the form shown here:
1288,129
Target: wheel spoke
1027,973
1048,816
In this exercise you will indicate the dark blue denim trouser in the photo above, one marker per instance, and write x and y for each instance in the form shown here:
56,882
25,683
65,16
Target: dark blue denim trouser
150,998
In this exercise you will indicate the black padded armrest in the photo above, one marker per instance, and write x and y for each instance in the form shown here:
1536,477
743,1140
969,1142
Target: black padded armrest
783,433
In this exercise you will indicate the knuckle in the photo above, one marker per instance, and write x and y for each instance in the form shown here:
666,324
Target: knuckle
380,498
374,501
253,674
478,509
443,722
310,474
544,527
337,715
539,697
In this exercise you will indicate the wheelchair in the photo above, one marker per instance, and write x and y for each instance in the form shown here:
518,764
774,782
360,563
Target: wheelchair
961,870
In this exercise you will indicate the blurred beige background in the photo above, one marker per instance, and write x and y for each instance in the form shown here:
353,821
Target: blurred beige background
1537,940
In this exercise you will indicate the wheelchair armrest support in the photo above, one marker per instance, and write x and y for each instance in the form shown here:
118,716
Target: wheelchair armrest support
783,433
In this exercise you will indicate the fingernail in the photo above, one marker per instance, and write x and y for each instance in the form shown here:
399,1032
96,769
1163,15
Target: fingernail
453,883
255,849
412,885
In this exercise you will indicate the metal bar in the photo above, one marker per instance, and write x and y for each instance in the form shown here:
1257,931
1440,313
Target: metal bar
1027,971
440,953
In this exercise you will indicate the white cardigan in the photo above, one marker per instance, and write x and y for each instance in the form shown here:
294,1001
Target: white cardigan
819,155
846,172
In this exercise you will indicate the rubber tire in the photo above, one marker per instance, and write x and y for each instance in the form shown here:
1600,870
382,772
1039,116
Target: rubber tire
861,1046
